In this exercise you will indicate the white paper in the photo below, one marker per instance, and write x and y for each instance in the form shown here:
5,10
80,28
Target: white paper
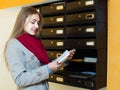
63,57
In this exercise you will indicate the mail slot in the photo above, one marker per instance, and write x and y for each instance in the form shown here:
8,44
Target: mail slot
81,31
53,8
54,54
54,20
81,43
80,5
52,32
81,18
57,78
53,44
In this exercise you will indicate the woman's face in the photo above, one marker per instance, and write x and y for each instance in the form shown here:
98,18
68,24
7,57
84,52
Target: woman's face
31,25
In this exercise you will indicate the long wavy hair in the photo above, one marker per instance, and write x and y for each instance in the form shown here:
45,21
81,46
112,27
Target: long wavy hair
18,28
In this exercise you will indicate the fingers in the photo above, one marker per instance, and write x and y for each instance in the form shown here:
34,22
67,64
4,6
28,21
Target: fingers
54,66
72,52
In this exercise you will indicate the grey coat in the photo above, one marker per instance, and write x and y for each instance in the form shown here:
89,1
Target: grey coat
27,72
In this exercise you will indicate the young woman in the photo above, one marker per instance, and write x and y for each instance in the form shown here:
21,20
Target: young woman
25,54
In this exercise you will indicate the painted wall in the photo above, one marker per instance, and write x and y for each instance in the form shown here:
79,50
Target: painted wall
7,3
7,19
113,45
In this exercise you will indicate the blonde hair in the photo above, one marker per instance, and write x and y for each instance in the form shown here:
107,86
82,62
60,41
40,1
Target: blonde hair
19,24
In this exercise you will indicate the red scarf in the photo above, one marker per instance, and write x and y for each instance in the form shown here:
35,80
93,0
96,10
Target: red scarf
35,46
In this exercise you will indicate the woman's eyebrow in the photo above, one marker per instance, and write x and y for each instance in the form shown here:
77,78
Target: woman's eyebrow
35,20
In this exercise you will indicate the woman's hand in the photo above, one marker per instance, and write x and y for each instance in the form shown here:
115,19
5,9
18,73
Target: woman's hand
72,52
54,66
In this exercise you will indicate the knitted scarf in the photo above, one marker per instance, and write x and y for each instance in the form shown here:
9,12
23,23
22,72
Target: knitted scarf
35,46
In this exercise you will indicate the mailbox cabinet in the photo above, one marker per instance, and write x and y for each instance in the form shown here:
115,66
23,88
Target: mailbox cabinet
79,24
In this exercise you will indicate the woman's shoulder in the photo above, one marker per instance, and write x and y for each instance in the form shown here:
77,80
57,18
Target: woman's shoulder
16,44
12,45
13,41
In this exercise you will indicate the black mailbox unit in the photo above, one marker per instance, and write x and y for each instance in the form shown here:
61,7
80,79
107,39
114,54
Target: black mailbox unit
79,24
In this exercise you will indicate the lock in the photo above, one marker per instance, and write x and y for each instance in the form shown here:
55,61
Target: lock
89,84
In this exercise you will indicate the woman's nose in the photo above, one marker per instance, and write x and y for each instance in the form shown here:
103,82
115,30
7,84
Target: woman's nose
36,25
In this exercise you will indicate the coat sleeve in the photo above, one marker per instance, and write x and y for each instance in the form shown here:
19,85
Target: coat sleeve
21,76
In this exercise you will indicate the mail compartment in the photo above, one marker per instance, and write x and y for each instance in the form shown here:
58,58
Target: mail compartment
81,43
81,74
53,8
80,18
54,54
81,81
53,20
81,68
80,55
53,44
52,32
57,78
81,31
80,5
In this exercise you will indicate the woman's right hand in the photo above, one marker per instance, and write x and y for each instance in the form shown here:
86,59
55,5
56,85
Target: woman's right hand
54,66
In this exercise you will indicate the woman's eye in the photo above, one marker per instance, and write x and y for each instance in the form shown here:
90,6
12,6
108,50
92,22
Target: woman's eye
33,22
38,23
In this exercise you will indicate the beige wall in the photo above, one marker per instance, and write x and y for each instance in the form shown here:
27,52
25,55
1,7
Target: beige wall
7,18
